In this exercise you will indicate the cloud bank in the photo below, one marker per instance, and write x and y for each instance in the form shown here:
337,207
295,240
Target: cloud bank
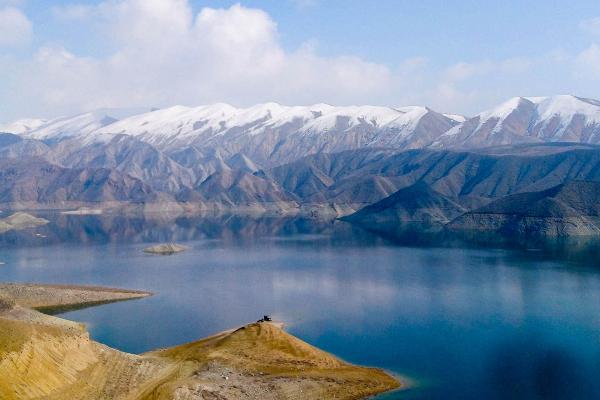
15,27
162,53
167,55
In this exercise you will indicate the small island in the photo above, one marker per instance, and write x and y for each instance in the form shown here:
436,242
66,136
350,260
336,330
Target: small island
165,249
20,220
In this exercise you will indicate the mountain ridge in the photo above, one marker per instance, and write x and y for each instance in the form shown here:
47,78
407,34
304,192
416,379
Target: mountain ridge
415,203
517,120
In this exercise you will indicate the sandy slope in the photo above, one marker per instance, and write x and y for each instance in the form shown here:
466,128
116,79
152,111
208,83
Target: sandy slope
50,358
261,361
43,357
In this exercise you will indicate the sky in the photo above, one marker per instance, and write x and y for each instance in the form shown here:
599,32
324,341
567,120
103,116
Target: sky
63,57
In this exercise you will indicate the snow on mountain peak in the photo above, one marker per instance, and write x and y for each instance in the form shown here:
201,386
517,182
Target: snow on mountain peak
78,125
566,106
354,115
22,126
456,117
525,119
408,119
183,125
216,119
547,107
501,111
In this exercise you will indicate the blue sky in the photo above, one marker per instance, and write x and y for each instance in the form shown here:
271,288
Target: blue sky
460,56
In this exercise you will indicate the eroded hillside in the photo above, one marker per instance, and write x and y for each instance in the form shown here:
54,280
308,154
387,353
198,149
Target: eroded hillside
43,357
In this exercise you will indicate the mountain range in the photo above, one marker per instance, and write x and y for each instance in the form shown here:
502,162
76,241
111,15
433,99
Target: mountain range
396,163
271,132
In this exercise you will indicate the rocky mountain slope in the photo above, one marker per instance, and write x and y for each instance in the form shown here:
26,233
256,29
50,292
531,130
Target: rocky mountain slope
569,209
341,182
474,178
128,156
231,188
416,203
36,182
16,147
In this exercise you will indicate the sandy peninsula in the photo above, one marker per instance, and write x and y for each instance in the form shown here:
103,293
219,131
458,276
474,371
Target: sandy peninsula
47,357
52,299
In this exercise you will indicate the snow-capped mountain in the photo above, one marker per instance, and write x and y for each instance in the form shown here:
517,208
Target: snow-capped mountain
267,133
562,118
66,127
278,157
272,134
225,126
22,126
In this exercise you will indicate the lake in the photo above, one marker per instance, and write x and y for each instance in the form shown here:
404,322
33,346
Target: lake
461,317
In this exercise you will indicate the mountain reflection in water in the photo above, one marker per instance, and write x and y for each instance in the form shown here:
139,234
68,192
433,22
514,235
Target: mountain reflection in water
465,316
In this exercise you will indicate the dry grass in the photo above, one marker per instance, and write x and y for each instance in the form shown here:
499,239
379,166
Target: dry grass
6,303
56,362
43,357
263,359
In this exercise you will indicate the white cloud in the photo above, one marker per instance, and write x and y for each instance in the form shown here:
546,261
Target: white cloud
168,55
591,26
471,87
163,54
73,11
463,70
15,27
588,61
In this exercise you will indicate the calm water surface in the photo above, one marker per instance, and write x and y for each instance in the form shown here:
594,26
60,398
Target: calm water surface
463,318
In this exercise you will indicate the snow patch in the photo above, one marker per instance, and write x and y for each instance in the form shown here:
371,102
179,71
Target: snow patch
22,126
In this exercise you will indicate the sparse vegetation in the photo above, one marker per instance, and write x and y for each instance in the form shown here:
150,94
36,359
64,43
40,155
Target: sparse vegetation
51,358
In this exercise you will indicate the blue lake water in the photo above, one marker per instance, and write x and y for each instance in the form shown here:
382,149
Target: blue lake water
463,318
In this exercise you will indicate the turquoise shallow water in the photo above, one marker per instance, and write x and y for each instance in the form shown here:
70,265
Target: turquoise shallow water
464,318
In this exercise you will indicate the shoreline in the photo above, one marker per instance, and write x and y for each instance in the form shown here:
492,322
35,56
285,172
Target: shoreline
62,309
49,297
258,360
175,208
